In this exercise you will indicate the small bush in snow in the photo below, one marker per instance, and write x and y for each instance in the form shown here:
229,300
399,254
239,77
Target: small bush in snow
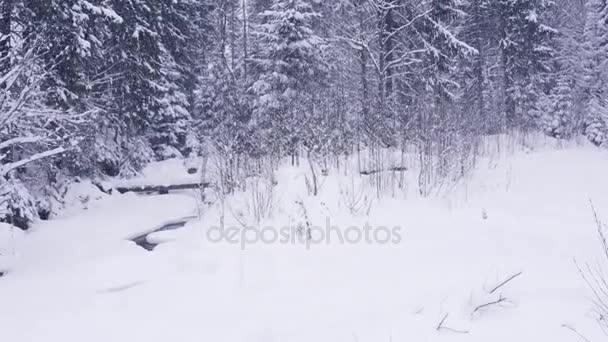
17,206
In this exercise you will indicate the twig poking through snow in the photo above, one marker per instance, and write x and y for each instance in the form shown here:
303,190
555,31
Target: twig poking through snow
600,227
500,299
595,277
441,326
496,302
121,288
505,282
576,332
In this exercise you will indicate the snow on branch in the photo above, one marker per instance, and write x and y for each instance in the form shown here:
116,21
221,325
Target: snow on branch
24,116
5,169
19,141
467,49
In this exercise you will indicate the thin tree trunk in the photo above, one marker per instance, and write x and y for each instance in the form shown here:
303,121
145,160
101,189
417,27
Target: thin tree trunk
232,35
5,35
245,41
479,69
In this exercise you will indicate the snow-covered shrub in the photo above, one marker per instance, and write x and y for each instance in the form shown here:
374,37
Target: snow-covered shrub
165,151
76,194
137,154
123,158
355,197
252,205
597,124
10,236
259,198
17,205
555,112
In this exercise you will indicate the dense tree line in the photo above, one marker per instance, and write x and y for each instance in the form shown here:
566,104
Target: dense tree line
93,88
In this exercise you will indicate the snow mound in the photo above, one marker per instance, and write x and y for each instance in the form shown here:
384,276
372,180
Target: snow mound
10,237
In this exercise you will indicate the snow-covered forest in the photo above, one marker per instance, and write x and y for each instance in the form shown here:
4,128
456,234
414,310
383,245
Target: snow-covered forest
486,115
94,88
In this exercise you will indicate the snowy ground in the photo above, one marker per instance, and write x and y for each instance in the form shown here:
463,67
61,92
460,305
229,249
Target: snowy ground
78,278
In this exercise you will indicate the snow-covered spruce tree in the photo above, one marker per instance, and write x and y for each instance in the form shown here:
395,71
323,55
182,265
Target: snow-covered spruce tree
223,102
71,33
137,52
182,37
74,35
222,109
223,121
134,94
527,48
555,110
478,92
353,70
561,107
290,65
439,120
440,30
596,71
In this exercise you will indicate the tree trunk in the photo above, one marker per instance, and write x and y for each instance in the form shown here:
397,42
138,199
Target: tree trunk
387,25
232,35
479,67
509,102
364,86
5,35
245,42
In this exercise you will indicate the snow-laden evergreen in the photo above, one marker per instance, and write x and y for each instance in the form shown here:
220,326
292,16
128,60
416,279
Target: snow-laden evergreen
290,61
100,88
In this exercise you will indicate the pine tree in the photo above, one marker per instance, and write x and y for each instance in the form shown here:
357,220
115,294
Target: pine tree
179,31
71,33
290,65
442,29
560,109
478,94
596,71
555,109
136,53
526,46
6,24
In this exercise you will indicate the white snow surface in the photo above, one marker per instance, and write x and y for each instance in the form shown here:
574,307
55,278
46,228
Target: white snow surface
78,278
167,172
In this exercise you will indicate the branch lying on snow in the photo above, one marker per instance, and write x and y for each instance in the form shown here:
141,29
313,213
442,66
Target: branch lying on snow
500,299
505,282
441,326
394,169
496,302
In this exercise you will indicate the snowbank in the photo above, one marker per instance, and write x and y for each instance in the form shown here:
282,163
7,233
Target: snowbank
80,279
10,237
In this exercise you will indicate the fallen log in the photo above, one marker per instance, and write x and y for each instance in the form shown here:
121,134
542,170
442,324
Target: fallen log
390,169
161,189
